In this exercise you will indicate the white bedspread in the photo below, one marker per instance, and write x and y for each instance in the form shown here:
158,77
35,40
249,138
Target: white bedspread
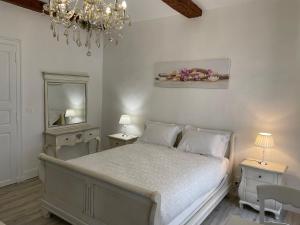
179,177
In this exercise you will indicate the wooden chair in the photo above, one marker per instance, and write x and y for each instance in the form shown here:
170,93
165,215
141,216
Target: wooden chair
282,194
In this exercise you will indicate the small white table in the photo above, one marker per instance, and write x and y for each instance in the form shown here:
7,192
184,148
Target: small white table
120,139
253,174
56,139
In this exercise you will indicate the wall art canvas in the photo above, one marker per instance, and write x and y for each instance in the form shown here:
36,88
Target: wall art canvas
207,73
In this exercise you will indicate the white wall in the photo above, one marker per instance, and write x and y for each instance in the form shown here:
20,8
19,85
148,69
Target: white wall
262,40
40,52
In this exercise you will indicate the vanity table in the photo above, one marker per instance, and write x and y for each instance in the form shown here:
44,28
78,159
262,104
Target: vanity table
66,113
56,139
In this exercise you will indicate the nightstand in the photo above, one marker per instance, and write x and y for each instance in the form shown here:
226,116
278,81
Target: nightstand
254,174
120,139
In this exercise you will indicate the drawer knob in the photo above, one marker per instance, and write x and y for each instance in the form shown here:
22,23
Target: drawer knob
259,176
257,200
90,134
67,139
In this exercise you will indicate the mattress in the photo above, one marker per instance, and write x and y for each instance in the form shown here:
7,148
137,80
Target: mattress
181,178
184,216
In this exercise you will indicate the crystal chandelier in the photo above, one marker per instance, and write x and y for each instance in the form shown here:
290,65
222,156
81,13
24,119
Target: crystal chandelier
94,17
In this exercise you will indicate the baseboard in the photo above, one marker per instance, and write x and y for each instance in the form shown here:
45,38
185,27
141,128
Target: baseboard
28,174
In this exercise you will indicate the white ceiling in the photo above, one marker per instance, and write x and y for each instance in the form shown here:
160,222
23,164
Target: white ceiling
152,9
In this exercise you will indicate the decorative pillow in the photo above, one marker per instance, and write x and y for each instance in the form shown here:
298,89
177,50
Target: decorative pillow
160,133
206,142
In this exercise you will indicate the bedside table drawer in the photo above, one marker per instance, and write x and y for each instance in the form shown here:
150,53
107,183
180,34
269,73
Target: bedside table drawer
252,198
251,185
261,176
115,143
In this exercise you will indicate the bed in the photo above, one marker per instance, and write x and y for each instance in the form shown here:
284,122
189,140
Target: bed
137,184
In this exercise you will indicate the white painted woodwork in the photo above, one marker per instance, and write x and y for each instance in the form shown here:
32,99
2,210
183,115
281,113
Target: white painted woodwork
9,112
120,139
283,194
98,199
57,138
254,174
64,79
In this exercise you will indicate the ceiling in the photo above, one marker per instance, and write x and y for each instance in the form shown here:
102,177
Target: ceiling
152,9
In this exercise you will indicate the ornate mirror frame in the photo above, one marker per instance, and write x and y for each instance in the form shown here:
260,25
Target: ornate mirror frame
64,78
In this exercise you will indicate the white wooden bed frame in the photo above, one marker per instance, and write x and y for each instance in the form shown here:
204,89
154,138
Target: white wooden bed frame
82,197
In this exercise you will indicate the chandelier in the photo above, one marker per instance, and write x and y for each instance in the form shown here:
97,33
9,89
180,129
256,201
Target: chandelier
96,18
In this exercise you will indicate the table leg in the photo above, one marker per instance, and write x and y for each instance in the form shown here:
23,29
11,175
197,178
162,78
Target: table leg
98,144
56,150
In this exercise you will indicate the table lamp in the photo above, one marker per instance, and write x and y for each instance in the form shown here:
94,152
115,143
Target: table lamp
69,114
264,141
125,120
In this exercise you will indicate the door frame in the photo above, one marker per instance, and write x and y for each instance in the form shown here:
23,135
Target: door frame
18,154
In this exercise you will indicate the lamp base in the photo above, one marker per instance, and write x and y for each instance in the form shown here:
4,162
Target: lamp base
124,135
263,163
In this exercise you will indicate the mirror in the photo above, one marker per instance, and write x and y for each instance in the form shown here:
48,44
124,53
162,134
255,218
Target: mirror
65,100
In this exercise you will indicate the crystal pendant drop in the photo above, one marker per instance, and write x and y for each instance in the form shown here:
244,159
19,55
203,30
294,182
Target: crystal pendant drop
89,53
78,41
74,35
98,43
66,34
54,32
57,36
94,17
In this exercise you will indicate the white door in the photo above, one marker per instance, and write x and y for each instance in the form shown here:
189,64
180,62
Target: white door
9,106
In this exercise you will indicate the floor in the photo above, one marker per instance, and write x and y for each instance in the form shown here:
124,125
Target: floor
20,205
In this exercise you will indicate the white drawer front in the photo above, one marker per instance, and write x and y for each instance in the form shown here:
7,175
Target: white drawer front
251,185
252,198
66,140
91,134
115,143
261,176
79,137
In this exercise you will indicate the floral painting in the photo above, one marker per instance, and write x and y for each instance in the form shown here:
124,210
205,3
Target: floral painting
210,73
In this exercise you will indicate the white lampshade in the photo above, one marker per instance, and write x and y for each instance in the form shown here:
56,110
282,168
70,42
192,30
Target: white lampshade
125,120
70,113
264,140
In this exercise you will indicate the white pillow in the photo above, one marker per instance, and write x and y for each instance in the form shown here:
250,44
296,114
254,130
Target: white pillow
204,142
160,133
222,132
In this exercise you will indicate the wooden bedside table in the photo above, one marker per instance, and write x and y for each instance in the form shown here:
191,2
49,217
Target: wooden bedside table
254,174
120,139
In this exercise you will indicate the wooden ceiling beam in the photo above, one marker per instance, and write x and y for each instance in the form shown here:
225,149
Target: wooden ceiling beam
34,5
186,7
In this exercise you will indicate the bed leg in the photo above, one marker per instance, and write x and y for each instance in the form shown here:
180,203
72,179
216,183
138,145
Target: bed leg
241,205
45,213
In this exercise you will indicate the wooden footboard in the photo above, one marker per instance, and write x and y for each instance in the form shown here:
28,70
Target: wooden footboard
83,197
